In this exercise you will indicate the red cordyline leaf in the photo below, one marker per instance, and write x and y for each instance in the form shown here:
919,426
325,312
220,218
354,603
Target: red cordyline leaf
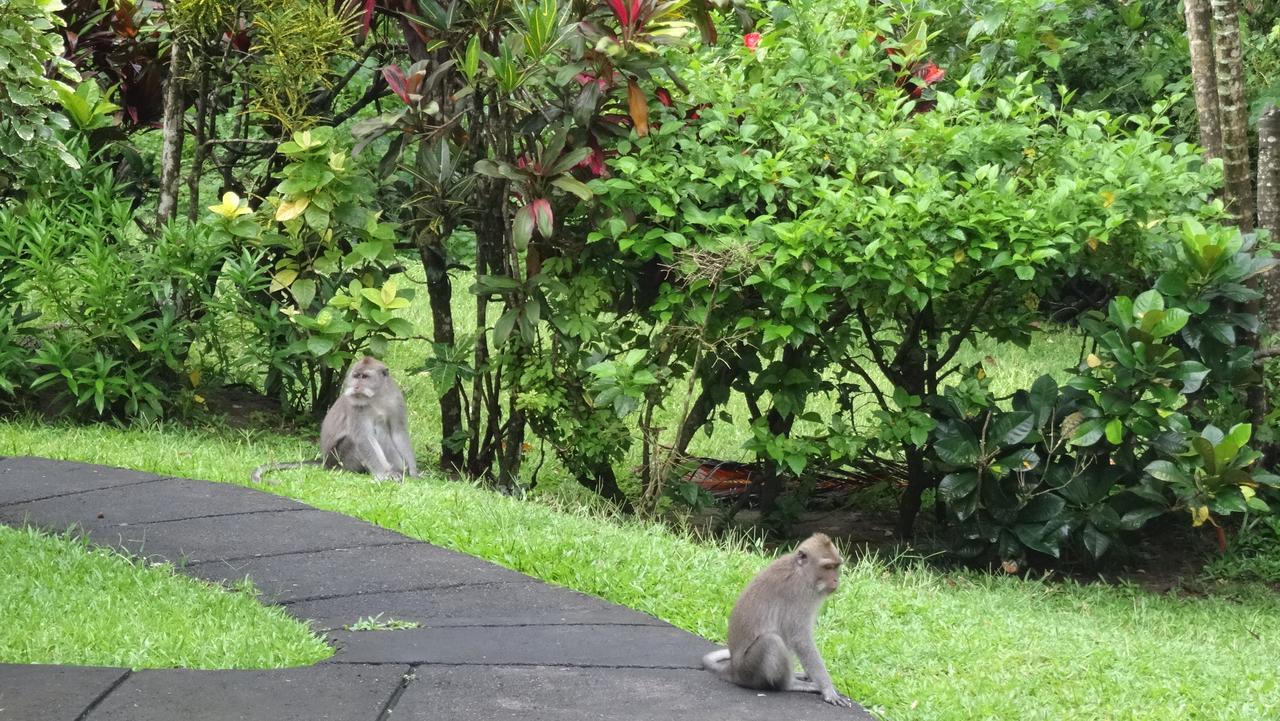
395,79
543,217
930,73
620,11
367,21
664,96
594,162
751,40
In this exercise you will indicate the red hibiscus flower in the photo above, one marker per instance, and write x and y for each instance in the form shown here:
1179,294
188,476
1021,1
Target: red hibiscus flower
751,40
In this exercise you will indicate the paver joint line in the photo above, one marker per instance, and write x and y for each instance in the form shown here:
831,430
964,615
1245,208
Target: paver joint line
124,676
417,589
214,515
336,661
401,687
68,494
237,559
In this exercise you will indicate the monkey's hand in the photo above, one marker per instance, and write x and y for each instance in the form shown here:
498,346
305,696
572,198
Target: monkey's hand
835,698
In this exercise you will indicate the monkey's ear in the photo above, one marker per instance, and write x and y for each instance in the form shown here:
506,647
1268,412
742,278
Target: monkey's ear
386,372
801,558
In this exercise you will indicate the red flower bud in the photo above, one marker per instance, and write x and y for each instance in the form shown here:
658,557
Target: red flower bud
751,40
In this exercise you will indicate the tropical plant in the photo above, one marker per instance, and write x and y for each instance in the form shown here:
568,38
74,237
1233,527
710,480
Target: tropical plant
32,70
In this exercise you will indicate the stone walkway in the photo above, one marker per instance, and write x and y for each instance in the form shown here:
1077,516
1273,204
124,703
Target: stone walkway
494,644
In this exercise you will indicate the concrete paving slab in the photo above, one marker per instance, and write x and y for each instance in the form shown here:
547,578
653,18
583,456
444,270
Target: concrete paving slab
506,693
502,604
315,693
243,536
52,693
27,479
167,500
353,571
551,645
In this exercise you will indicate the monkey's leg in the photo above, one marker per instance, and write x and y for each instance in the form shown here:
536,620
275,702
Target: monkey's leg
404,447
765,664
816,669
717,662
372,458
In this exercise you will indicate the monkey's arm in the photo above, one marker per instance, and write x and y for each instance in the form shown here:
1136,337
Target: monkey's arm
400,439
816,669
375,460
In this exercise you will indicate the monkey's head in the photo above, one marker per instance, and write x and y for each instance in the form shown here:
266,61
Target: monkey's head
365,379
819,561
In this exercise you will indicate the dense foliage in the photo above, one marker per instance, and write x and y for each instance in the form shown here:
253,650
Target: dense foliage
669,215
29,124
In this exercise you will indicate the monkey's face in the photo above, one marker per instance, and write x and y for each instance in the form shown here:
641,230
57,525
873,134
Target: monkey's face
364,382
822,569
828,575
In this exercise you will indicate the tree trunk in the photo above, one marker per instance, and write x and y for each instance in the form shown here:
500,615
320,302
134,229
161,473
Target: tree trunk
204,121
440,293
602,479
1269,207
171,151
771,485
918,481
1200,36
1238,180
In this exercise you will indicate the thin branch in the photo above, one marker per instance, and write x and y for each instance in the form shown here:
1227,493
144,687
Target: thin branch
912,336
374,92
1264,353
871,384
962,332
871,341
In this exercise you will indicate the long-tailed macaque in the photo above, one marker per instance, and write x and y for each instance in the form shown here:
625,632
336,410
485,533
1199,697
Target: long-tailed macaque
366,430
773,621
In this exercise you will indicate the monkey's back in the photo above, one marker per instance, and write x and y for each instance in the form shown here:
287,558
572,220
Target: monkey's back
759,606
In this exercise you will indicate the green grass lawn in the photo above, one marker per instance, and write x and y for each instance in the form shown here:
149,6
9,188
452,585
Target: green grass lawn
914,644
65,602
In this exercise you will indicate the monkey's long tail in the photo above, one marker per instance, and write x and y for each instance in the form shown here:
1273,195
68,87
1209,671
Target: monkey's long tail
256,476
717,662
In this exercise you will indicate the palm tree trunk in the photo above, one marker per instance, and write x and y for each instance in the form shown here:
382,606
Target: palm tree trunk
1200,37
1269,206
1237,174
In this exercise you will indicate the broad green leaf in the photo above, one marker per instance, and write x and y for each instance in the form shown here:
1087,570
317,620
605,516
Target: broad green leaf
1088,432
303,291
1115,431
1010,428
1166,471
957,446
955,486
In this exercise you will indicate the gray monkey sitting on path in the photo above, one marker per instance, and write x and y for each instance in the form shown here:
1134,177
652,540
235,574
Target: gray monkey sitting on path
773,620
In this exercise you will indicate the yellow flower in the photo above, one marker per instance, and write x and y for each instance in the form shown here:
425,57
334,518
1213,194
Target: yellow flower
231,206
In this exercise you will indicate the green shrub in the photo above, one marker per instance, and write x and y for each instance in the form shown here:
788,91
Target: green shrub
1133,435
309,273
28,123
881,222
117,310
